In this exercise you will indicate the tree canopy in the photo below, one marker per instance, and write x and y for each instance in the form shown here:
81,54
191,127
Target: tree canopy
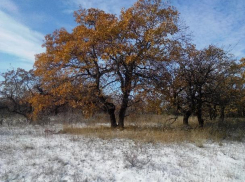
142,58
107,60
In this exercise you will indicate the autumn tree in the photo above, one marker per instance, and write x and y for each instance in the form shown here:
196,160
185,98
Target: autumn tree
107,59
199,80
224,92
237,106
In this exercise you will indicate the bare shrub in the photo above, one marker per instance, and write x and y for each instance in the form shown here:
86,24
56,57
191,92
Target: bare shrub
137,156
48,132
12,119
28,147
75,138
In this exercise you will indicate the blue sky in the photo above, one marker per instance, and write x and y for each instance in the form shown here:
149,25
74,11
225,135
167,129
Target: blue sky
24,23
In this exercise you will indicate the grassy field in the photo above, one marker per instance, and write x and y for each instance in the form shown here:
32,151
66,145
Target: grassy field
159,128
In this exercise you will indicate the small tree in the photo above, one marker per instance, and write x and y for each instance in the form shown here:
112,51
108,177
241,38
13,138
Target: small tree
223,93
198,78
15,91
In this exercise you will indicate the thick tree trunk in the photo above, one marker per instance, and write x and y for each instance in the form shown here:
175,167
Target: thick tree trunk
186,117
56,110
199,113
122,113
110,109
113,121
199,117
126,89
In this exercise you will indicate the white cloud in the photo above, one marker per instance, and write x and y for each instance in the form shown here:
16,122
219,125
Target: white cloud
110,6
19,40
8,5
216,22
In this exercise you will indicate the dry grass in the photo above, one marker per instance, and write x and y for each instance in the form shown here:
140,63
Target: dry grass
158,128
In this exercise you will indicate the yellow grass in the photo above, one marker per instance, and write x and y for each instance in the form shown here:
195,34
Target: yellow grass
159,128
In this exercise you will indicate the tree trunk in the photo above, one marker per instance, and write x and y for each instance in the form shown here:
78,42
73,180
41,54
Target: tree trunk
122,113
222,114
200,121
199,115
215,112
186,117
110,108
111,112
199,108
211,112
56,110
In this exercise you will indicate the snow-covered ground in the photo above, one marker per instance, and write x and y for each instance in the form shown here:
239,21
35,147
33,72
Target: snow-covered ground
26,154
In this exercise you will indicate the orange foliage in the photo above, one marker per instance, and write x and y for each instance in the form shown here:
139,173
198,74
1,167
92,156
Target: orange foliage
104,55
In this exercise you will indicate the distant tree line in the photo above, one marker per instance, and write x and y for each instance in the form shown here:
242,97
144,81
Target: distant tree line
143,59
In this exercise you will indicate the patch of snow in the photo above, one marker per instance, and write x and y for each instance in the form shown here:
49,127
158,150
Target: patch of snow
26,154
